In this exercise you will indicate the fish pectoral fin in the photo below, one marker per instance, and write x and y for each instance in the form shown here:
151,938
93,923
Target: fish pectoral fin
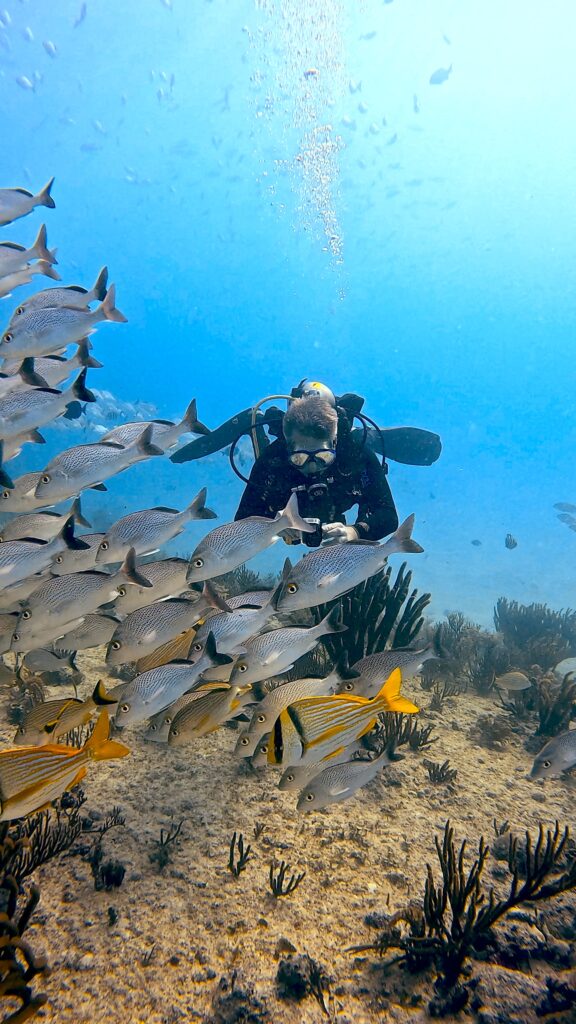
404,706
338,790
328,579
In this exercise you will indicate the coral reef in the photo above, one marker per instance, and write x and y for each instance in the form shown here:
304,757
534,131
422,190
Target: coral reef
239,855
299,976
440,773
556,705
395,730
19,964
162,854
44,835
458,913
472,658
279,884
235,1002
378,613
492,731
535,634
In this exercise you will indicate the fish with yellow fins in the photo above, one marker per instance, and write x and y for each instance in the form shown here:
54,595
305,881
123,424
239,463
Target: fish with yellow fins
32,777
317,728
54,718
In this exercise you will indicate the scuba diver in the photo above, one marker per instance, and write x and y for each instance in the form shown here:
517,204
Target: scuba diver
319,454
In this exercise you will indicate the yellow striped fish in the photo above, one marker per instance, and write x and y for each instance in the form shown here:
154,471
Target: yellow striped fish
54,718
32,777
208,712
321,726
177,649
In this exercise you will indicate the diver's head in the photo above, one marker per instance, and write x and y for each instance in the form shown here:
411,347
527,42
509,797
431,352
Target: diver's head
310,428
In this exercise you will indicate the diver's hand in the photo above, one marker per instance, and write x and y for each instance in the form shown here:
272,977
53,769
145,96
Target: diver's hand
338,533
291,536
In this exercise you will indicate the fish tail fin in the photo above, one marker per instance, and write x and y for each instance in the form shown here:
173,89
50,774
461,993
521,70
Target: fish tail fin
213,598
99,746
98,290
144,443
66,534
197,508
108,307
331,623
277,592
79,389
35,437
130,572
100,696
190,422
44,198
79,518
403,537
28,374
293,518
391,697
40,247
84,357
45,267
215,657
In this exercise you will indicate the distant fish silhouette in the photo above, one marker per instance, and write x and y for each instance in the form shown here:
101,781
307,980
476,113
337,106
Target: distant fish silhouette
510,542
565,506
440,75
566,517
476,543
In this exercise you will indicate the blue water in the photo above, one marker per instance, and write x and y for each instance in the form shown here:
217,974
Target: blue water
450,303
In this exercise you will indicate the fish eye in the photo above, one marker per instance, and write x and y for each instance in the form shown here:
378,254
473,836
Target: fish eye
261,718
26,613
197,647
198,563
59,559
349,686
7,337
175,732
264,749
19,311
125,708
244,741
292,588
546,764
104,545
242,667
16,637
116,645
121,591
310,797
168,720
290,778
153,727
5,494
45,478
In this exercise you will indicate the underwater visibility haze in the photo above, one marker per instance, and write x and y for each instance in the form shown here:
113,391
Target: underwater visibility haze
326,247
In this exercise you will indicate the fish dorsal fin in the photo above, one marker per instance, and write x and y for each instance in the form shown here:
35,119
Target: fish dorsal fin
23,192
165,508
111,444
12,245
164,423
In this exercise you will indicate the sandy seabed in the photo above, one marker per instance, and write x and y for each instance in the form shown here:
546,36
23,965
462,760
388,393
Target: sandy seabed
180,931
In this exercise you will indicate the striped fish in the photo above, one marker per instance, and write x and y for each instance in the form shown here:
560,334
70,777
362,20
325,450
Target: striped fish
207,713
160,724
322,726
32,777
54,718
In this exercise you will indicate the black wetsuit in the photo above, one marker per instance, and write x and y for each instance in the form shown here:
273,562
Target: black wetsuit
355,478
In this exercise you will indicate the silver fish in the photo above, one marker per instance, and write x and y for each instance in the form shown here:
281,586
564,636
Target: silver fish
21,497
557,756
43,660
326,573
267,710
78,561
148,530
296,777
18,202
95,630
232,544
340,782
88,465
10,282
232,626
11,598
272,653
22,558
370,672
42,525
13,445
72,296
15,257
56,369
7,623
43,331
168,579
27,410
155,690
159,725
146,629
514,682
165,433
249,599
66,599
565,506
